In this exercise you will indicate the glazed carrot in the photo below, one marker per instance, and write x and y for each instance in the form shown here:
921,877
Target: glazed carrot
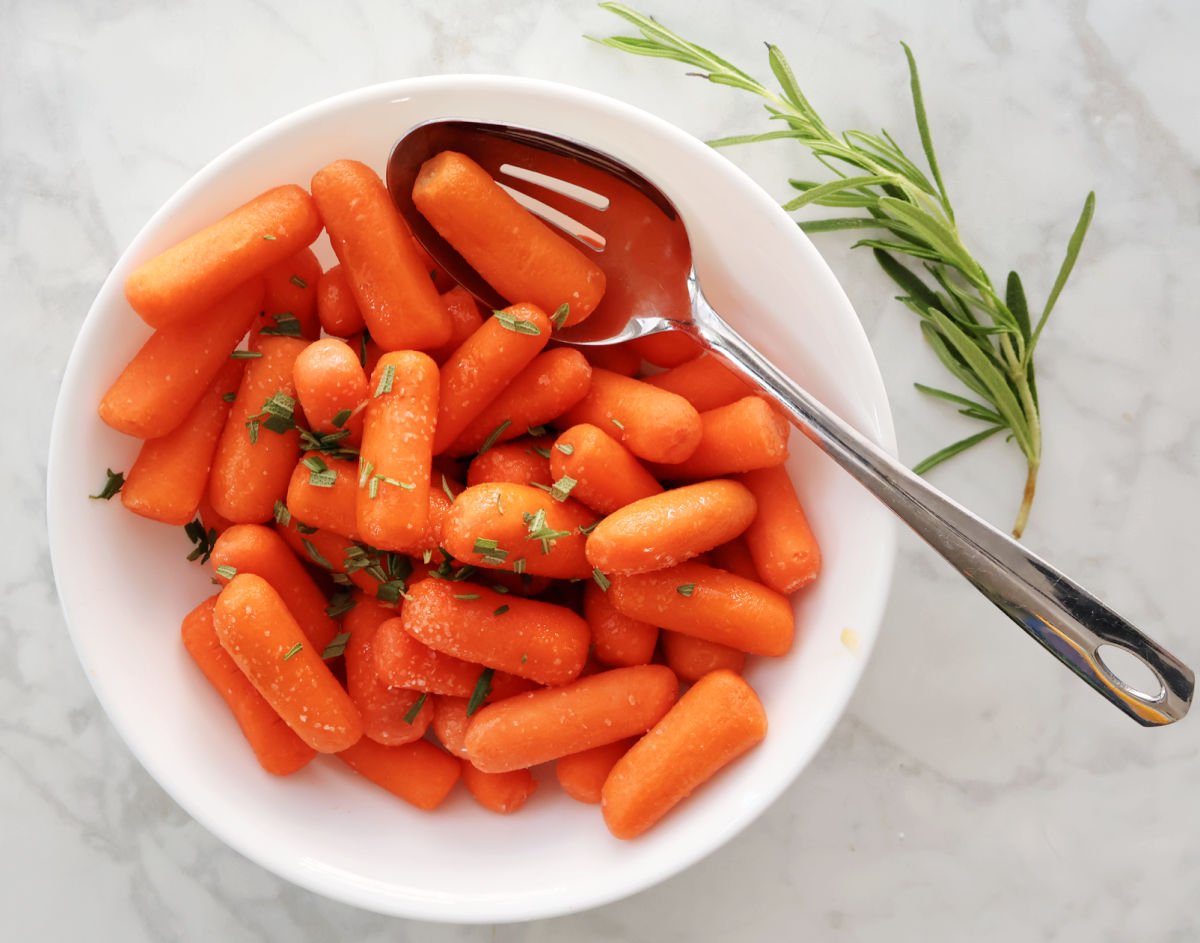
465,320
386,273
535,640
652,423
210,518
734,556
521,583
531,530
169,476
417,772
450,722
615,358
439,507
532,728
484,364
582,775
607,477
395,458
278,749
252,548
503,793
715,722
254,463
332,386
692,658
291,293
167,377
266,642
391,716
336,308
402,661
745,435
519,462
668,349
617,640
705,382
368,351
181,284
553,382
519,255
710,604
665,529
323,492
782,544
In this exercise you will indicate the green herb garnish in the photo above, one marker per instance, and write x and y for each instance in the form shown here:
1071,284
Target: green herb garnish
269,238
500,610
617,422
277,415
413,711
338,645
201,538
342,417
286,325
340,602
494,435
315,554
601,580
294,650
283,516
298,281
466,597
537,431
320,475
686,589
113,483
559,318
565,447
246,354
228,397
483,687
563,487
518,326
226,572
385,381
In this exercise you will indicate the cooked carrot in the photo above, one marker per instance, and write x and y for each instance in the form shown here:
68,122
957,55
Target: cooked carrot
323,492
503,793
391,716
582,774
403,661
484,364
439,507
396,455
704,382
652,423
532,728
668,349
167,377
332,387
709,603
615,358
417,772
617,640
256,628
692,658
521,583
531,639
450,722
336,308
170,474
607,476
785,552
252,548
291,295
210,518
519,462
253,462
384,269
745,435
465,320
734,556
519,255
554,381
665,529
278,749
504,526
180,284
715,722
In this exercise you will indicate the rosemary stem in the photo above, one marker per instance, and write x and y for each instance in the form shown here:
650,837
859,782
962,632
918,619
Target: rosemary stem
1026,500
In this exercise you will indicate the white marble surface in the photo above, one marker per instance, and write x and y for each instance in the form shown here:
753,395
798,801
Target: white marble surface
974,790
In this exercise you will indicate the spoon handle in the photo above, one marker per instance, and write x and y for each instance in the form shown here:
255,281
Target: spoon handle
1065,618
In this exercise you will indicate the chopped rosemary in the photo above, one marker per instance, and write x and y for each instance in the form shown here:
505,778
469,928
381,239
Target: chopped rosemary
413,711
385,381
201,538
686,589
228,397
246,354
338,645
500,610
277,415
226,572
320,475
562,488
342,417
298,281
617,422
601,580
467,597
449,492
483,687
494,435
294,650
315,554
286,325
517,325
559,318
113,483
282,515
340,602
565,447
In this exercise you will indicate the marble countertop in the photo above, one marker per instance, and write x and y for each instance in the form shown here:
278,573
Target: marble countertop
974,790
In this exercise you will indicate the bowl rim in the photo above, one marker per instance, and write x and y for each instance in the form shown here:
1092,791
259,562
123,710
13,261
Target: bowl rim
333,885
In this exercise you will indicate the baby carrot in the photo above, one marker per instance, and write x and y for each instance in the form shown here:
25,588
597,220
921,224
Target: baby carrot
554,381
170,373
290,303
615,358
278,749
709,603
332,386
505,526
502,793
266,642
734,556
782,544
323,492
170,474
484,364
260,444
385,271
692,658
209,517
520,462
403,661
704,382
391,716
665,529
396,457
617,640
330,552
181,283
607,477
715,722
518,255
532,728
252,548
653,424
417,772
336,308
745,435
582,774
450,722
531,639
668,349
465,320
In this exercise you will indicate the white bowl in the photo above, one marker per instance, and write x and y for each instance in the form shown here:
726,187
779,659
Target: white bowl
125,585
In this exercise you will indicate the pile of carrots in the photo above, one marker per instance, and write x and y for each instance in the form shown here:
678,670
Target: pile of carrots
448,547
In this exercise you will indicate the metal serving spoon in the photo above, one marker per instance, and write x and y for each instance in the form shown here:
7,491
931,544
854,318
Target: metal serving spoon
611,208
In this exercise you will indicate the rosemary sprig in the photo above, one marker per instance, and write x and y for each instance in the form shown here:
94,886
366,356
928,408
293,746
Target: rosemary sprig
984,337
